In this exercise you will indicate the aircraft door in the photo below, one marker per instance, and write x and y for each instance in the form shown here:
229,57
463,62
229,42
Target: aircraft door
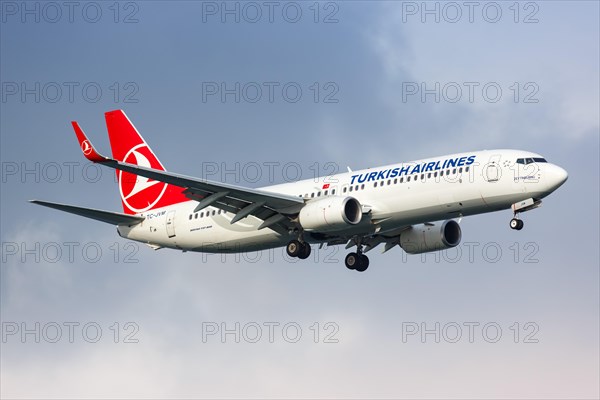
171,224
493,170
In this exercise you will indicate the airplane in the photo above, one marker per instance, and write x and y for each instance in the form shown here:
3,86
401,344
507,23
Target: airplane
414,205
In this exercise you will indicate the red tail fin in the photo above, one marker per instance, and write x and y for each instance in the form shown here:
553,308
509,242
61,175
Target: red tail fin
138,194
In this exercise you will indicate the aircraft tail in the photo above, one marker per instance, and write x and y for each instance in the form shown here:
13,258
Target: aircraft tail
138,194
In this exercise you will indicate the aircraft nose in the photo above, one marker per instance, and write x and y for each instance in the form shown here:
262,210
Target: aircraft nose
559,176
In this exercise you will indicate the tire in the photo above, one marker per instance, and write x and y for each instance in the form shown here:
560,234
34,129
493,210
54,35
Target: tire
293,248
514,223
363,263
304,251
352,261
520,225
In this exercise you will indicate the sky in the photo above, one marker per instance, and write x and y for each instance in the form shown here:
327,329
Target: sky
259,93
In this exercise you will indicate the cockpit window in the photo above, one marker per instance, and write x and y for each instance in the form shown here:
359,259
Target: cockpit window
531,160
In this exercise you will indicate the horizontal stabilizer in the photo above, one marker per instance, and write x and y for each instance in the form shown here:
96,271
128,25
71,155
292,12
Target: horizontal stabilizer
109,217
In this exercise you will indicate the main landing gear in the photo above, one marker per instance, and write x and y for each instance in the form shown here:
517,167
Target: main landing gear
354,261
357,261
516,223
296,248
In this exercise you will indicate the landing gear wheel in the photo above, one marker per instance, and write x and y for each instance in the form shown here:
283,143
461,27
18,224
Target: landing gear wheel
520,225
293,248
352,260
304,251
516,224
363,263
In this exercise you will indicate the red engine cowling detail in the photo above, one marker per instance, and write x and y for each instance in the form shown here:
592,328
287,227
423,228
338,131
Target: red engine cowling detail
431,237
329,214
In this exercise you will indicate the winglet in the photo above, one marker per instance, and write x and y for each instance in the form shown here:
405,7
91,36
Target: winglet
86,146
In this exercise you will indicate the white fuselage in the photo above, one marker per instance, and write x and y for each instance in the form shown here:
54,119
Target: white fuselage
393,197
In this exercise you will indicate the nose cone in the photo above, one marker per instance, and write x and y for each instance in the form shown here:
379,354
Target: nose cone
559,176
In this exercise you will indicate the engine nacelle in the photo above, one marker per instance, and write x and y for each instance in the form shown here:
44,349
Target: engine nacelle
431,237
331,213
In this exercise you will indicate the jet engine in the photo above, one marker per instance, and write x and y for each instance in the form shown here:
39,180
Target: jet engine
332,213
431,237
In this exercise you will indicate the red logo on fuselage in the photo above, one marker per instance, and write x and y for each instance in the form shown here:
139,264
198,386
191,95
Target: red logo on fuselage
139,193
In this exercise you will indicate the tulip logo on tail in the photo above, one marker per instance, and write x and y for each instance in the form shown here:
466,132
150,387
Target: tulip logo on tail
139,193
86,147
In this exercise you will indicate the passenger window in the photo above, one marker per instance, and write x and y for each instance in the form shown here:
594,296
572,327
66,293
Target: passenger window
460,170
196,216
333,191
325,193
454,171
312,195
213,213
435,174
466,169
441,173
408,179
318,194
350,189
429,175
375,184
401,180
362,186
395,181
344,190
422,176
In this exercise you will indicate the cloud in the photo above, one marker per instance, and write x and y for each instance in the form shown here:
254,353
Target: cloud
540,99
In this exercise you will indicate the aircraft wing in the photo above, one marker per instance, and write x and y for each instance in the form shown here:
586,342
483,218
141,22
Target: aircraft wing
110,217
272,208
